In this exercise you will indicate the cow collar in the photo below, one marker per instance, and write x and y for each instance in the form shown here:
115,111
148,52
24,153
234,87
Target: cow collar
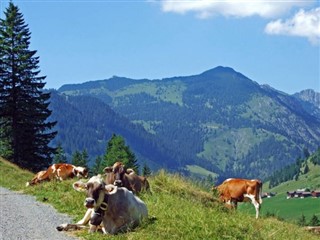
98,214
103,206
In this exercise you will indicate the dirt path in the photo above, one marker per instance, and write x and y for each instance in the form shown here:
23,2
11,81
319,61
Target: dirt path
22,217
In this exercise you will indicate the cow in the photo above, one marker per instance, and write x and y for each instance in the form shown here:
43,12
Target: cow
109,178
128,178
59,171
116,208
234,190
36,178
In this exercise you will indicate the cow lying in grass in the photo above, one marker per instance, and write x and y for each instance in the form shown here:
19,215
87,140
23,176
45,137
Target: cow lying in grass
116,208
128,178
60,171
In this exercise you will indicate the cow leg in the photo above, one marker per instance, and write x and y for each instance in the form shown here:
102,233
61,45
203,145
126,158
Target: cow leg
254,202
86,217
70,226
257,207
80,224
231,204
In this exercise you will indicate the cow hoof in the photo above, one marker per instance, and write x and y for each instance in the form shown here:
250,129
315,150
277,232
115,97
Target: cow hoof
61,227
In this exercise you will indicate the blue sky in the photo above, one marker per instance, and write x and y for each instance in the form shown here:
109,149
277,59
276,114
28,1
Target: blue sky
271,42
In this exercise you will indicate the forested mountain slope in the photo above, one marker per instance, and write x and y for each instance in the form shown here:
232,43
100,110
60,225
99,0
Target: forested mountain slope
86,123
219,120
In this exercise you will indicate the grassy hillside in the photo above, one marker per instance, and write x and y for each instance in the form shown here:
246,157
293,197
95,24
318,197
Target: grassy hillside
309,180
182,210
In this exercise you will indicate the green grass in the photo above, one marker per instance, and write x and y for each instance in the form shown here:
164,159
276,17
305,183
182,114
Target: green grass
182,210
310,180
291,209
288,209
199,171
168,93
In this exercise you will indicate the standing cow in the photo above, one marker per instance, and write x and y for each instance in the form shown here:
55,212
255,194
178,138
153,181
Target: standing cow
234,190
121,210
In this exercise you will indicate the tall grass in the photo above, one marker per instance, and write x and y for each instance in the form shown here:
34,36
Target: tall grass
178,209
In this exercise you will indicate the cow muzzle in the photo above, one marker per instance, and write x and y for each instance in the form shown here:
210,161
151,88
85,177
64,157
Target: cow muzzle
89,202
117,183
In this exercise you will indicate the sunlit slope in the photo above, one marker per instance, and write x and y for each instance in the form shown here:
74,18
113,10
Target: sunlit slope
181,210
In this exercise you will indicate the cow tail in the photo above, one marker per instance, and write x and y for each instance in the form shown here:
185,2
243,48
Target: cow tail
260,192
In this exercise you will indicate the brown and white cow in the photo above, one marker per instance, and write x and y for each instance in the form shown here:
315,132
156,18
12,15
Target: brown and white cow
59,171
128,178
36,178
121,210
234,190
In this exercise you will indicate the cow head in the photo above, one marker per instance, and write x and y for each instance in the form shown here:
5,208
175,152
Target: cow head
81,172
96,191
118,169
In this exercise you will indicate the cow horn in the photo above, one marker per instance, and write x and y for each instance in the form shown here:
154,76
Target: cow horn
111,189
107,169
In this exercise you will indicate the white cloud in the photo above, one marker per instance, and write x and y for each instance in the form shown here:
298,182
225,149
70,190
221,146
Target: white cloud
233,8
303,24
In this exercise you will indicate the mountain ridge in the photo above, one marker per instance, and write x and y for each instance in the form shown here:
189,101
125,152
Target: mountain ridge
220,119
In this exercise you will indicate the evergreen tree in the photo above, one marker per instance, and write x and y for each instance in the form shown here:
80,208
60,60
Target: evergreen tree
118,151
80,159
59,156
306,169
146,171
25,131
314,221
302,221
96,168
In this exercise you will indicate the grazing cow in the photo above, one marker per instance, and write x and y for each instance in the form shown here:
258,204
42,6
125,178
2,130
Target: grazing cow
234,190
117,207
128,178
60,171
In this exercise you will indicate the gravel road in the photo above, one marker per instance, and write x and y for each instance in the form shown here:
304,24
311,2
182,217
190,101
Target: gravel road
22,217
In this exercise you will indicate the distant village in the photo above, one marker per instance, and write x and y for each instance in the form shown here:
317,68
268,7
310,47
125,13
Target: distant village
299,193
303,193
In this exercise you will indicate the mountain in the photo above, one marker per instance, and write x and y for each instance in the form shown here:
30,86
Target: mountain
310,96
310,101
86,122
219,120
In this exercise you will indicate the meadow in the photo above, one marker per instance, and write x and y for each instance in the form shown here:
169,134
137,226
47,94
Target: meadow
181,209
289,210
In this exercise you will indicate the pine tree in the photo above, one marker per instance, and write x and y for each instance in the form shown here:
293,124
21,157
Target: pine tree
118,151
26,132
314,221
306,169
59,156
146,171
302,221
80,159
96,168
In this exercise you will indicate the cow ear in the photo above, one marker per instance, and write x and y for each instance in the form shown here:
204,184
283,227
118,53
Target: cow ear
110,189
130,171
107,169
80,186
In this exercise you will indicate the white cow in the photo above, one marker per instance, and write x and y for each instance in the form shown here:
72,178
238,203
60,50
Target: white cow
116,209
